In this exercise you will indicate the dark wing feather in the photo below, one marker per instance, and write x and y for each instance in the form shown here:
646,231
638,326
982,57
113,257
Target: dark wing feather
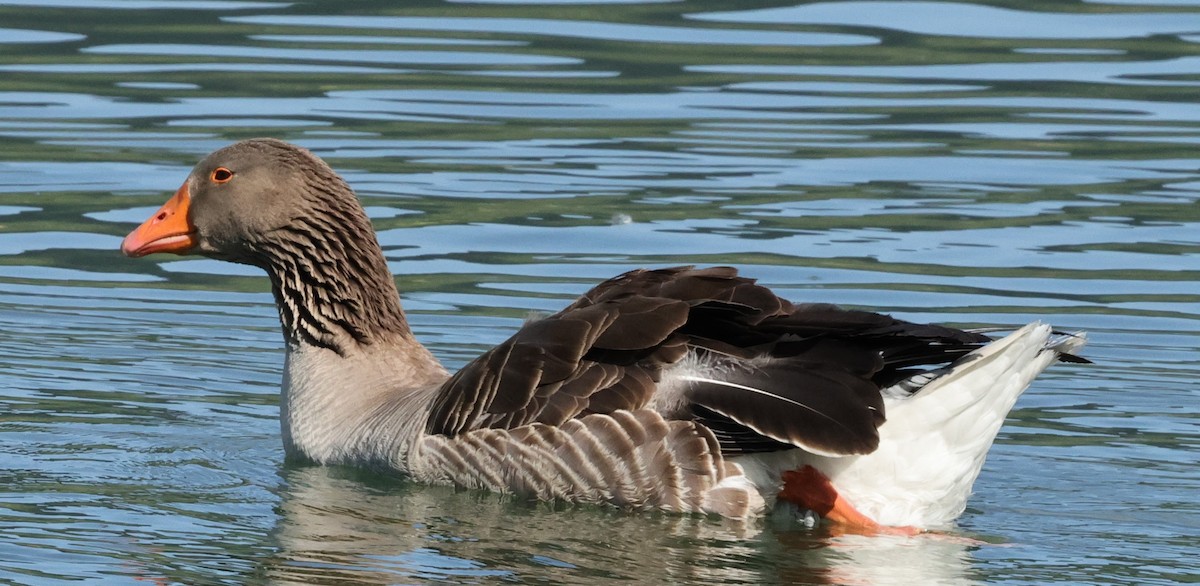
733,437
901,344
547,371
821,408
815,381
820,396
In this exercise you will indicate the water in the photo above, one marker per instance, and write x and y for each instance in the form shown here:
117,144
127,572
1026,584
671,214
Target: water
982,165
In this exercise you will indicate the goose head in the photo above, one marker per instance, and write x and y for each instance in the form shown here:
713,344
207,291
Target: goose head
241,197
274,205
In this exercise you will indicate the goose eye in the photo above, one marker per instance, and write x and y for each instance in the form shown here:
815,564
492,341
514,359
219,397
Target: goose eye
221,175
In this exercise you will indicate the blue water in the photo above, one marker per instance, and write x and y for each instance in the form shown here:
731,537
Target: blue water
979,165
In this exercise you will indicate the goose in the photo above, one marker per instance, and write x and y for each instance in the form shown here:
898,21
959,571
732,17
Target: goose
681,389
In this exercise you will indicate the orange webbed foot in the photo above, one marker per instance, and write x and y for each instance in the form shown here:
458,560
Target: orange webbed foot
808,488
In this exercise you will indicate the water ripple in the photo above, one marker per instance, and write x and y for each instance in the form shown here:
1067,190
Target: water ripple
576,29
965,20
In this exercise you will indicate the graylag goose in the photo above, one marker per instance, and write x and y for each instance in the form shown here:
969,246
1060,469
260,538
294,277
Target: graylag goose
679,389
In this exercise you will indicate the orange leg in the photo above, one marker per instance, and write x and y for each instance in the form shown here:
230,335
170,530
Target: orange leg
812,490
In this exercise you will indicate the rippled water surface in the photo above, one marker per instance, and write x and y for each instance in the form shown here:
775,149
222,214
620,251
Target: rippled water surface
977,164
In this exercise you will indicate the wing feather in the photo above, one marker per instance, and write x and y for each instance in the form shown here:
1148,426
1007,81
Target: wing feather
785,375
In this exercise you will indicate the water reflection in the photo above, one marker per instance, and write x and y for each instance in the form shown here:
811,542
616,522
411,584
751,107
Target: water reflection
943,560
334,528
340,527
579,29
425,57
215,5
965,20
20,36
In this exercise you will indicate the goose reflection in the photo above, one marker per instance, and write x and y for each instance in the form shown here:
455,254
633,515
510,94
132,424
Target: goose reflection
856,560
339,526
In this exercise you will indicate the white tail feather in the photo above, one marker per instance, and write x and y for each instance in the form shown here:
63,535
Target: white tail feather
934,442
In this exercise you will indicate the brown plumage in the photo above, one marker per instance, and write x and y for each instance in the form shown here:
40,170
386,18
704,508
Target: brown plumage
822,366
637,394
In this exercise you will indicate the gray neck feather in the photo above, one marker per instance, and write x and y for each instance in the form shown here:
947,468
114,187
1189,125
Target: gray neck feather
357,385
329,277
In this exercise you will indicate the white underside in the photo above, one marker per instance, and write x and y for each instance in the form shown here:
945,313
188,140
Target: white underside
934,442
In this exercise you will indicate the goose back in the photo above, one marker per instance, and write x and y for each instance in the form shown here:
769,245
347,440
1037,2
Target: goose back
701,345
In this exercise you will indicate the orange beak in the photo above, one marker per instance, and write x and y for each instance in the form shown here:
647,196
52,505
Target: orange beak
168,230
